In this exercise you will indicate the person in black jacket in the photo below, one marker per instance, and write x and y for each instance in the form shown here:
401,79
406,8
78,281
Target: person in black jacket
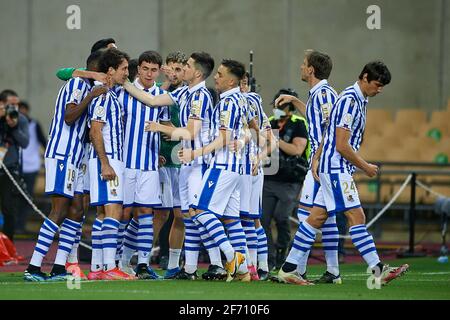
31,163
282,189
13,137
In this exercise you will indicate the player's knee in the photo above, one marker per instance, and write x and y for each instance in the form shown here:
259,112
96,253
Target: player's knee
161,215
317,220
178,222
355,217
159,219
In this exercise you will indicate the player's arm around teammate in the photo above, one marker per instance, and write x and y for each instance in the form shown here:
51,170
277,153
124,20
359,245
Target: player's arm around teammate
148,99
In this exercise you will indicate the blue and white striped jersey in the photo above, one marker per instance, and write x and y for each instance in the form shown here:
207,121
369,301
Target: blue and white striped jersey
106,109
254,101
196,103
67,141
349,112
318,107
141,149
228,115
249,110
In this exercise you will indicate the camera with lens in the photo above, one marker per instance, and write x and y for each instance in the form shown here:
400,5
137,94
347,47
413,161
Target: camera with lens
11,111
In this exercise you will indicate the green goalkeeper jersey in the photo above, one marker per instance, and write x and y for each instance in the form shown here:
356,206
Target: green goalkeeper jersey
167,146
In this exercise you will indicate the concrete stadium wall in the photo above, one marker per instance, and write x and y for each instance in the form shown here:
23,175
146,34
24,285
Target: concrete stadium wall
413,41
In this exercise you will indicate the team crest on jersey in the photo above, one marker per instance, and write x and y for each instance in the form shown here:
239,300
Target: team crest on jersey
350,198
100,111
77,94
347,120
114,192
69,186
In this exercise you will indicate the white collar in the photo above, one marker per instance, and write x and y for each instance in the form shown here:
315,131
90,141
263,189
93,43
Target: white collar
197,86
230,92
138,85
318,84
359,92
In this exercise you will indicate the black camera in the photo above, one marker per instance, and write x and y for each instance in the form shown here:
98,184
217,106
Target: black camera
12,111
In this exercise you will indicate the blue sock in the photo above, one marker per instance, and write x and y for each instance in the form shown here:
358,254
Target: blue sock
120,235
110,228
330,239
145,238
252,240
262,249
191,245
67,236
97,246
45,240
216,231
363,241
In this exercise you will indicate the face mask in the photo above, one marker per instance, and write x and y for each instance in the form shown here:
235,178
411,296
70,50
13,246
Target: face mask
277,114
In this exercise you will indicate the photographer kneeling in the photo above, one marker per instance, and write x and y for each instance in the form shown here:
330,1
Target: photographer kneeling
13,136
281,191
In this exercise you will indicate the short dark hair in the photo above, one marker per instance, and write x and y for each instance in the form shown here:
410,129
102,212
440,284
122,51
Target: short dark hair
7,93
102,44
176,57
376,70
203,62
93,59
111,58
236,68
150,57
132,69
24,104
287,91
321,62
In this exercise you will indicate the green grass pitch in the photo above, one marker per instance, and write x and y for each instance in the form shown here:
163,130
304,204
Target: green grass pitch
427,279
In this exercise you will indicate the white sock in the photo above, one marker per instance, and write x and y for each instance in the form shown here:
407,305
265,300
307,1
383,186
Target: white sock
174,258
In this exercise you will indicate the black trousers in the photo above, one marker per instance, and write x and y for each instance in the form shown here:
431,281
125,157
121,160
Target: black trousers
278,203
9,198
24,208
